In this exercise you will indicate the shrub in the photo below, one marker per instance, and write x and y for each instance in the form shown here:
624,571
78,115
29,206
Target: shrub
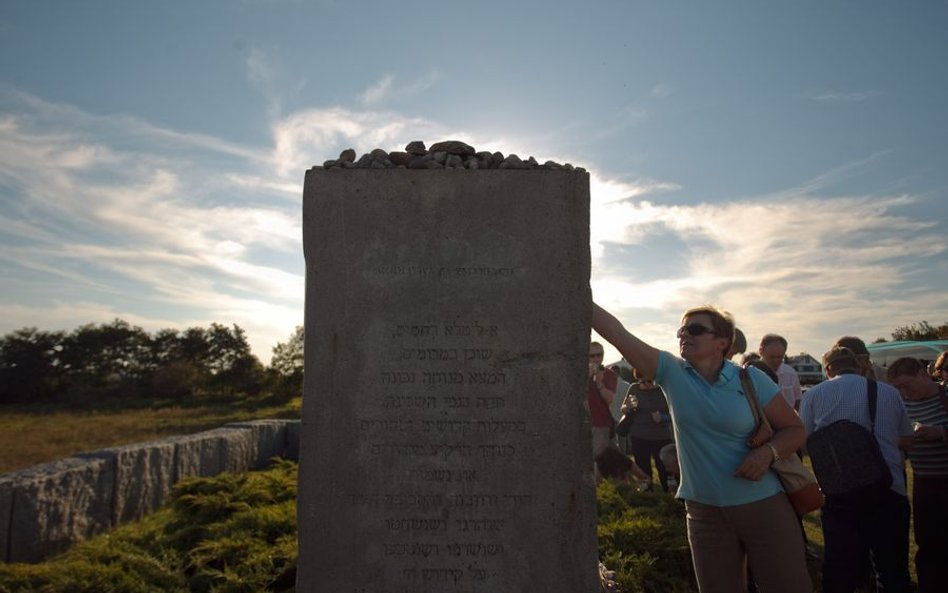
227,534
237,533
642,537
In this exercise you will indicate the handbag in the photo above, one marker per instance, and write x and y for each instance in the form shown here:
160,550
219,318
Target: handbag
625,423
798,481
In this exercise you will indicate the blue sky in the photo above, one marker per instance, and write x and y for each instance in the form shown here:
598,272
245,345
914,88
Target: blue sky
785,161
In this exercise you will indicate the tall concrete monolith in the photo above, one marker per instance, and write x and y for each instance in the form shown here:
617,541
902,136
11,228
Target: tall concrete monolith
445,445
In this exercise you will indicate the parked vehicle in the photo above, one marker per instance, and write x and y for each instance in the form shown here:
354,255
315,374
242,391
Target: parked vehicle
885,353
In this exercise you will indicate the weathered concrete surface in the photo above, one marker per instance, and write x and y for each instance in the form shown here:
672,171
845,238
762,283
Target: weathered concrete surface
267,440
55,504
293,440
6,506
45,508
213,452
143,476
444,443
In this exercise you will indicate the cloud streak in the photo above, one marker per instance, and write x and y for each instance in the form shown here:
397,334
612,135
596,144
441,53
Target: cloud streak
186,229
386,89
148,227
807,266
834,96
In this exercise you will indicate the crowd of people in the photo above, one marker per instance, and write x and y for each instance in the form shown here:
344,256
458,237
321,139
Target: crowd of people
687,417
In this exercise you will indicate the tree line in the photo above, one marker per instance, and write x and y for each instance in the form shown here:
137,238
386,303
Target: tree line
121,360
918,332
118,359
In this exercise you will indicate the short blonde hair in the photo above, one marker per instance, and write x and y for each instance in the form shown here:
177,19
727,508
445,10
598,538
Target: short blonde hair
721,322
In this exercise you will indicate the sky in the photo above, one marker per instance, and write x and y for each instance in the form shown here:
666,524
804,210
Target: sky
786,161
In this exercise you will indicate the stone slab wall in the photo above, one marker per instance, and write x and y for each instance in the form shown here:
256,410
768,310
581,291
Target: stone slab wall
445,444
55,504
45,508
143,477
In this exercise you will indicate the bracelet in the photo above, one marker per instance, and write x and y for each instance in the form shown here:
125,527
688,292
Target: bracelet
774,451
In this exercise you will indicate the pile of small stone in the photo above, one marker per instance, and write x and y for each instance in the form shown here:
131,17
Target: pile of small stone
451,154
607,580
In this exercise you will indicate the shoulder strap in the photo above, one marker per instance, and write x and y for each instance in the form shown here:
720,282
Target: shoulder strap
751,394
763,431
873,388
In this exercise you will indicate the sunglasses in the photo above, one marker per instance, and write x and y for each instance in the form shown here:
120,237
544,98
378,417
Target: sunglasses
693,329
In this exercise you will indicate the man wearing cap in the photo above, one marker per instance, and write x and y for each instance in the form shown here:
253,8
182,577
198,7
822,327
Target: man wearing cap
852,529
867,368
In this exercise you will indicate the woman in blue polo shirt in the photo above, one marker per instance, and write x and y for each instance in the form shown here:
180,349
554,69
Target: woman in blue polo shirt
738,514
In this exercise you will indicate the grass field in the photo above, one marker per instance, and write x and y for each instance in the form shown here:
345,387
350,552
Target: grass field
31,435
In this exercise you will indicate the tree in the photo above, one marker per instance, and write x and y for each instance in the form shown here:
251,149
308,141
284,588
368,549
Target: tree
288,356
30,366
107,355
118,358
287,363
920,331
231,363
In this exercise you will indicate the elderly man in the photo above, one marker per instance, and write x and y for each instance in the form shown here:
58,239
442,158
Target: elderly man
925,401
773,350
855,526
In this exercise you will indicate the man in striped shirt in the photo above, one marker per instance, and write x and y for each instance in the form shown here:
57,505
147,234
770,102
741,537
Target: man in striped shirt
929,457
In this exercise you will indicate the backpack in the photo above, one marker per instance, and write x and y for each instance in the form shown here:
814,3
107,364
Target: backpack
847,459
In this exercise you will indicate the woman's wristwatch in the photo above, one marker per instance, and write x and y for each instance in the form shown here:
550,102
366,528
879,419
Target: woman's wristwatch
775,452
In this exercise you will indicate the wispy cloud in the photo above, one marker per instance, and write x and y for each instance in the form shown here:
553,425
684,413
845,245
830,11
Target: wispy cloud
827,179
378,91
266,72
661,90
308,137
168,220
805,265
834,96
210,230
386,88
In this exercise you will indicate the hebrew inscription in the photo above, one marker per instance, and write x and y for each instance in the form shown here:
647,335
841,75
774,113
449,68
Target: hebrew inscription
446,416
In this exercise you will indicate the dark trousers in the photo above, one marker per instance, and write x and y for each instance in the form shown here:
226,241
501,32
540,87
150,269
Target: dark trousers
857,531
930,501
644,451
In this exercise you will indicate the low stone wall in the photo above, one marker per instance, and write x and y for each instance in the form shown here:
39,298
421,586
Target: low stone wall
47,507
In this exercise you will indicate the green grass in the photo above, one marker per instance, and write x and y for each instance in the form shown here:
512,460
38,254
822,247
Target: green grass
236,533
642,538
36,434
227,534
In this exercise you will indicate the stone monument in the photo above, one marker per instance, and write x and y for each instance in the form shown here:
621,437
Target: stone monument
445,445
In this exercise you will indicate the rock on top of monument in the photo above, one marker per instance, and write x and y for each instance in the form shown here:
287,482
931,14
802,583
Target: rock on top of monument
449,154
453,147
416,148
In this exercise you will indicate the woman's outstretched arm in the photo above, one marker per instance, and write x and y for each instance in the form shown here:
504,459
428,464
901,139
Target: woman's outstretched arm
638,353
